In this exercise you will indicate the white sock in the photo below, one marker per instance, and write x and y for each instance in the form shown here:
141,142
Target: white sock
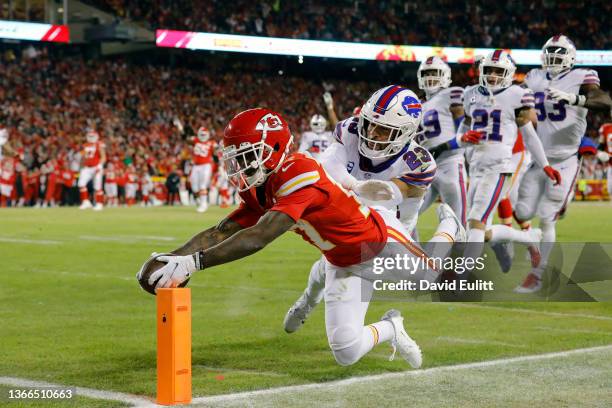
374,334
549,237
316,283
504,233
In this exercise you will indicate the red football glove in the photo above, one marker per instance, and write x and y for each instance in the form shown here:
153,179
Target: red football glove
553,174
472,137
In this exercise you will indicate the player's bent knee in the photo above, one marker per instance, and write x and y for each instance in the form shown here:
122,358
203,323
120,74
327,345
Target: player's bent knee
347,356
344,343
523,212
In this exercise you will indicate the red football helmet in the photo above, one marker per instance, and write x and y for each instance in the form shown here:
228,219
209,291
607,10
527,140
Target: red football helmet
203,134
256,143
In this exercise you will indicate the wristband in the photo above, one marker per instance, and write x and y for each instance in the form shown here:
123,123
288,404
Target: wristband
198,259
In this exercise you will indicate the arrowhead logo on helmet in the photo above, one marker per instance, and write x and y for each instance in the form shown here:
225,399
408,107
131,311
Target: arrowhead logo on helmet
256,141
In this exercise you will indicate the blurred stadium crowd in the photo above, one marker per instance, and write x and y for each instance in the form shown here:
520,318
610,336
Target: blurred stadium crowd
513,24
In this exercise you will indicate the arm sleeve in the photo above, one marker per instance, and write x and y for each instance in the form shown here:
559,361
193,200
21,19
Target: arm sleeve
590,78
245,216
334,161
296,203
533,144
528,99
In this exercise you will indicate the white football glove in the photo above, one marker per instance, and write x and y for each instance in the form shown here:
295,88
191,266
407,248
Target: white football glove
373,190
176,271
573,99
329,101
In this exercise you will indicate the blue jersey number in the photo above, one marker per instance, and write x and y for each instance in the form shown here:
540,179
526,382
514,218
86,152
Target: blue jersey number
480,120
431,124
557,115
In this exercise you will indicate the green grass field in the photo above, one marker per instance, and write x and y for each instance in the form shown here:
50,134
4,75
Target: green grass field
73,314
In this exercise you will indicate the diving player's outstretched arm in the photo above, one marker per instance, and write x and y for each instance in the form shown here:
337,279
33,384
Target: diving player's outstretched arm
210,237
243,243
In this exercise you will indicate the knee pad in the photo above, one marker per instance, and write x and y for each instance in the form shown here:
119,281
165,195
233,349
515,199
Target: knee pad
344,342
523,212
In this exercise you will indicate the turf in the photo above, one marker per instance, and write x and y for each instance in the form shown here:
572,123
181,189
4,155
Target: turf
72,311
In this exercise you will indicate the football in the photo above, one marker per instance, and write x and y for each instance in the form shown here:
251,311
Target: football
150,266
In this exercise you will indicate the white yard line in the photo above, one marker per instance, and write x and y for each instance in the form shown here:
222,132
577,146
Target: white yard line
413,373
480,342
532,311
134,400
29,241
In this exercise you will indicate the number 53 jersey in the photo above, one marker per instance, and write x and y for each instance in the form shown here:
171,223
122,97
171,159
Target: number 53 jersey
495,116
560,126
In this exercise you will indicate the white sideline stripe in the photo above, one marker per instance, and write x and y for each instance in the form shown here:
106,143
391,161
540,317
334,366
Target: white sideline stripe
413,373
532,311
476,341
81,391
29,241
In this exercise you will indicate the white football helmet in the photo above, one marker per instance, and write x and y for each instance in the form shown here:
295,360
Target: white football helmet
318,123
495,81
441,77
203,134
388,121
92,136
558,54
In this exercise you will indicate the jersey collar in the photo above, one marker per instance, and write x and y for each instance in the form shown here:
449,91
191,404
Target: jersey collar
485,91
365,164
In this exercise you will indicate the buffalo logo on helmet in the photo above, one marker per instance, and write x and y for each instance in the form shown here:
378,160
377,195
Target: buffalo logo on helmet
412,106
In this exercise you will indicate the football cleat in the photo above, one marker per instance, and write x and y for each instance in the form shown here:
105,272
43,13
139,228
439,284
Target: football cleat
531,284
85,205
98,207
504,252
409,350
444,211
297,314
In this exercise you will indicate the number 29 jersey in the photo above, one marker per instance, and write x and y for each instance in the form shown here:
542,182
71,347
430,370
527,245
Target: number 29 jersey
438,123
560,126
495,116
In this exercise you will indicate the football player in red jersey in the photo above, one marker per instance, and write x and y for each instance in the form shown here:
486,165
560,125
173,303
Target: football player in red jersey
282,192
94,157
201,173
605,133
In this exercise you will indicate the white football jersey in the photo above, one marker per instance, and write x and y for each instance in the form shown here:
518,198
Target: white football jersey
438,123
413,165
494,115
560,126
315,143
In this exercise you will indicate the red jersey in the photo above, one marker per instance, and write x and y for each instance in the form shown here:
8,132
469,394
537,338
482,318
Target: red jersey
605,131
132,178
7,176
203,151
67,178
326,215
91,152
110,177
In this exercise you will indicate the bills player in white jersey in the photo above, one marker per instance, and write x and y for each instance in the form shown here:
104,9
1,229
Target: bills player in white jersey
442,114
563,95
494,112
317,139
376,158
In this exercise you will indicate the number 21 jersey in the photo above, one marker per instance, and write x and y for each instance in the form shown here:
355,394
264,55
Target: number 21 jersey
495,116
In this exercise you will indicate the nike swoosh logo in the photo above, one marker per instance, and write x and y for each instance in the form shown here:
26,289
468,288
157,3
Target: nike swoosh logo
287,166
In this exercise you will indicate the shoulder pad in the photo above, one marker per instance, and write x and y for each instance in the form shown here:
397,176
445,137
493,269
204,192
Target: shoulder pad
298,171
